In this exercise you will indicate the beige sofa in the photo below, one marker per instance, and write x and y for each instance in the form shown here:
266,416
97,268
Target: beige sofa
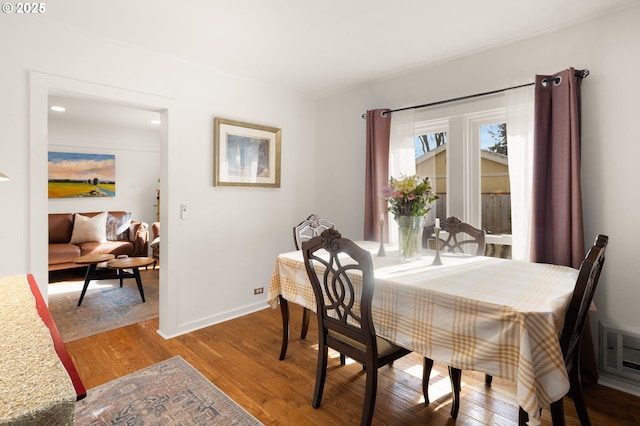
77,234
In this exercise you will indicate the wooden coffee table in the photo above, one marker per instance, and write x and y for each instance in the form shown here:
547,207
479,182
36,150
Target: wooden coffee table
133,263
91,260
119,265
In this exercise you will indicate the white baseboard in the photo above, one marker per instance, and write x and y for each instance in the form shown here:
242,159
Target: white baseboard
619,384
216,319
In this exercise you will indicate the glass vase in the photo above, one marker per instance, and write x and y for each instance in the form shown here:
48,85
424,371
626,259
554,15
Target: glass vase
410,241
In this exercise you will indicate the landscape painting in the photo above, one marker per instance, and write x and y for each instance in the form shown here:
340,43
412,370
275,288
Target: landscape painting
73,175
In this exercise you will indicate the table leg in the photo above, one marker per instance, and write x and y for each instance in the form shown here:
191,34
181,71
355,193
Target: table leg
284,310
426,373
523,417
136,273
90,270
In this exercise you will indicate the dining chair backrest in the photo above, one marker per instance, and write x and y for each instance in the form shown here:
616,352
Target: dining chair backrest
457,237
309,228
574,323
580,303
344,305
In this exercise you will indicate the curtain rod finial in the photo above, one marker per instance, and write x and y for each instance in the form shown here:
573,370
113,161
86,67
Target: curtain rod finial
582,73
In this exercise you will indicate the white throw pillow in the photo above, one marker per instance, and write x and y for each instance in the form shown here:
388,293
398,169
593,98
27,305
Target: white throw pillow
89,229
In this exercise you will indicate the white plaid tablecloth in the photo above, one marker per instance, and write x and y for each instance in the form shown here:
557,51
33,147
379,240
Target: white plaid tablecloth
494,315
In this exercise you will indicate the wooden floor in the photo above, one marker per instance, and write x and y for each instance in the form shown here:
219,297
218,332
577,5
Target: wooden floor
241,357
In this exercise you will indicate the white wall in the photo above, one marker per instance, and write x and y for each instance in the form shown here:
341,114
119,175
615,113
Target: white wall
213,260
137,155
608,47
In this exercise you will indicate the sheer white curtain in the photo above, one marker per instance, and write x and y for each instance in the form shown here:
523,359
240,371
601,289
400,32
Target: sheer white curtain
402,153
520,120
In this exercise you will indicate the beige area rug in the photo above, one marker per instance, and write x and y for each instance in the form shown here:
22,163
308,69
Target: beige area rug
168,393
105,306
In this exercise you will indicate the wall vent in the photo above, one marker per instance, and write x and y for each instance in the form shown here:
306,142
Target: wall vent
620,352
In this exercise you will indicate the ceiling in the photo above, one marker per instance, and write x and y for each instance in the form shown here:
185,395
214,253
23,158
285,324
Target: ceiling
319,47
98,112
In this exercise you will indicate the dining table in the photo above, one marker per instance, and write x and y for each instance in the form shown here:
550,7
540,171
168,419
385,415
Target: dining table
498,316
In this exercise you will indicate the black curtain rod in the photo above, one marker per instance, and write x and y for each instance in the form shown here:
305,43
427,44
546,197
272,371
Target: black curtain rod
578,73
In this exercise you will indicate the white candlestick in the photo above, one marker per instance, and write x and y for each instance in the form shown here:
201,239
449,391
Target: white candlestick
381,224
437,222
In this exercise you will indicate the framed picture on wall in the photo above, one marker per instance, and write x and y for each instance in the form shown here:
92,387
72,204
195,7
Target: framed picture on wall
246,154
76,175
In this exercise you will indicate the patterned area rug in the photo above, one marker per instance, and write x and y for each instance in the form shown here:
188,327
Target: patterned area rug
168,393
105,305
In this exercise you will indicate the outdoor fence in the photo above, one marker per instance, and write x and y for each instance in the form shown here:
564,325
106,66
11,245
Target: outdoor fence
496,219
496,212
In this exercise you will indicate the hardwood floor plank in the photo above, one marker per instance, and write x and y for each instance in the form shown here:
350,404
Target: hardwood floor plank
241,358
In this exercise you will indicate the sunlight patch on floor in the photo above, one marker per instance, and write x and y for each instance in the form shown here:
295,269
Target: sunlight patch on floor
437,388
75,287
440,388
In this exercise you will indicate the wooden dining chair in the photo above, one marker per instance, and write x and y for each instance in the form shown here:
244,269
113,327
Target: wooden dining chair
571,336
311,227
341,274
459,237
574,322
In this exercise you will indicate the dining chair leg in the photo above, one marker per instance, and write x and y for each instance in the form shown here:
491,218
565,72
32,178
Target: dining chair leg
426,374
303,334
306,314
455,375
488,379
523,417
557,413
369,396
284,311
576,395
321,375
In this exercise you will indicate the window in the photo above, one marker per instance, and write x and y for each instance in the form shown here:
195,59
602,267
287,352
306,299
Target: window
495,197
431,146
429,142
463,150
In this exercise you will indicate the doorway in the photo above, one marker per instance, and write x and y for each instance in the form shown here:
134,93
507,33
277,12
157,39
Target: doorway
43,86
120,144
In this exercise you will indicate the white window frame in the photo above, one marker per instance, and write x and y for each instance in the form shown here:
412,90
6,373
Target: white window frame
462,122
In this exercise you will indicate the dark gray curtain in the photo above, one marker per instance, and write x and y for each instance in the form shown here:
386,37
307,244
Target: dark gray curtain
557,223
377,171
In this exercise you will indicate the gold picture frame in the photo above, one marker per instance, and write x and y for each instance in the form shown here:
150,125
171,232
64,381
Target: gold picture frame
246,154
